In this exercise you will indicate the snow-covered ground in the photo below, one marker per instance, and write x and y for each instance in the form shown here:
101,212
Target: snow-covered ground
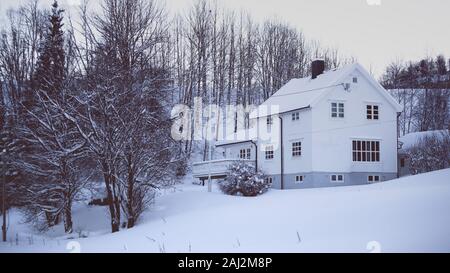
407,214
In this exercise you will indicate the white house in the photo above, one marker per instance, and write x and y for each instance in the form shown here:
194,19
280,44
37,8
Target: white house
338,127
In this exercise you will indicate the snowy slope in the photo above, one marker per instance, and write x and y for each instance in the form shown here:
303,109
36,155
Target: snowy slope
407,214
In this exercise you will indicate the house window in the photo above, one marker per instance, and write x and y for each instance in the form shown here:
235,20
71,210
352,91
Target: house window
373,178
337,109
268,180
366,150
296,148
269,122
244,153
355,79
269,152
298,179
337,178
295,116
372,111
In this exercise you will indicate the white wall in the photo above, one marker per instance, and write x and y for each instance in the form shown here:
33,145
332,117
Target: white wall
332,137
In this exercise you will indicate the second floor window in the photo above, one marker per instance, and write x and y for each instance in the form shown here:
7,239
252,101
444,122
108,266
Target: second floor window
337,109
269,123
244,153
366,150
295,116
372,111
269,152
296,148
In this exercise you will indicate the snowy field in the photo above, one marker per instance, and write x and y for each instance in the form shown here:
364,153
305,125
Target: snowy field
405,215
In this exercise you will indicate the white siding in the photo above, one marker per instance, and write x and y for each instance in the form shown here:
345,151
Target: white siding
332,137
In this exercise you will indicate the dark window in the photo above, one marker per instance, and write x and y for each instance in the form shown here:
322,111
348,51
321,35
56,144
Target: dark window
373,178
244,153
372,111
337,109
296,148
366,151
337,178
269,152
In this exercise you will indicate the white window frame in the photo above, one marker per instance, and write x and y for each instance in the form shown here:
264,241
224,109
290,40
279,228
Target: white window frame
337,178
370,111
269,153
335,109
296,116
245,153
299,179
297,150
269,179
372,178
366,150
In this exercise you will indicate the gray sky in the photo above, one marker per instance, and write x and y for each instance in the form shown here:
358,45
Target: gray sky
374,34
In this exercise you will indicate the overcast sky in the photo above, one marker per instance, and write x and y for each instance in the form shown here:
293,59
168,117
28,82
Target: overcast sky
374,34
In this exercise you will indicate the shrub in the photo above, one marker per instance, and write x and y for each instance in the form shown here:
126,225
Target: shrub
430,153
243,178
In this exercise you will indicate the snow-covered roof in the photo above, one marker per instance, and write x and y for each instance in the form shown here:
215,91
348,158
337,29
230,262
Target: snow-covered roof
305,92
409,140
243,135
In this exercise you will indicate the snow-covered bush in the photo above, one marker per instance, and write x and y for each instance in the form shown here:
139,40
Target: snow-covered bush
243,178
430,153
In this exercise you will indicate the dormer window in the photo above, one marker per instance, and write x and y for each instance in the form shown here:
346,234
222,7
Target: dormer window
337,109
295,116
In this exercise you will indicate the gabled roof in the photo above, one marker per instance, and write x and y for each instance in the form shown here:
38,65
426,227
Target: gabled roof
307,92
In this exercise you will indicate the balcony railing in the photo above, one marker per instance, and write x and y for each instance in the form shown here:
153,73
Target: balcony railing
217,168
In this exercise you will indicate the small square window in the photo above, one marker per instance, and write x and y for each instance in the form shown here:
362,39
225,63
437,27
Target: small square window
268,179
337,109
372,112
295,116
355,79
373,178
298,179
337,178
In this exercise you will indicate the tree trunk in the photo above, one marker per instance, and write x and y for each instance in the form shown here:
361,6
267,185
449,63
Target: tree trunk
131,216
68,224
4,202
115,225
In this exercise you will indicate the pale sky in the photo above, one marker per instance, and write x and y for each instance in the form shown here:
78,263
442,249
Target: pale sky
374,34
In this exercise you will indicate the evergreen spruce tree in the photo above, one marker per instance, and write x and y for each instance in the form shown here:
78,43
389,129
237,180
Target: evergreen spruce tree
49,74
